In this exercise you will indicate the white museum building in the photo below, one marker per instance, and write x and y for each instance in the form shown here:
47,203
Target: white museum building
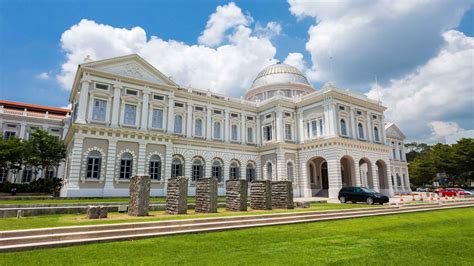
129,119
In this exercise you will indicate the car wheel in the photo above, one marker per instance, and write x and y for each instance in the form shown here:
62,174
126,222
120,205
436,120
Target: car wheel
342,199
370,201
353,202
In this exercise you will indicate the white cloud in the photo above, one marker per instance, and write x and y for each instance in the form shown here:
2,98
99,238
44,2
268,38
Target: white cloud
229,68
440,129
351,42
43,76
440,90
269,31
296,60
225,18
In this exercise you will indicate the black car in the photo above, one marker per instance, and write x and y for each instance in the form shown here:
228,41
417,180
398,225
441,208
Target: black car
361,194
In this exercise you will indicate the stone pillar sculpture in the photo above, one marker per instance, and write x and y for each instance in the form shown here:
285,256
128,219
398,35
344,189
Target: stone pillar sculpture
236,195
139,196
206,195
282,194
177,195
261,195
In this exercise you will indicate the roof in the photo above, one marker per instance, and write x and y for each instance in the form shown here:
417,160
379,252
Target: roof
279,73
34,107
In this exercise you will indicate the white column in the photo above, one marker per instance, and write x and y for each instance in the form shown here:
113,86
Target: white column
300,127
116,105
334,178
382,131
242,129
83,100
171,114
327,122
141,167
22,130
258,131
189,121
110,168
209,124
353,124
375,177
144,122
279,125
357,175
72,189
226,125
369,128
332,117
281,166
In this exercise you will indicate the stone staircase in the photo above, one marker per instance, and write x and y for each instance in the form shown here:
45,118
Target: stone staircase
66,236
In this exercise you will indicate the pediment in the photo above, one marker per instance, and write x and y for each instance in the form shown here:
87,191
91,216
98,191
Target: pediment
132,66
392,131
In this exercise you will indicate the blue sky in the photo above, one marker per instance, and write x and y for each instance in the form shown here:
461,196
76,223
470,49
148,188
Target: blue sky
32,53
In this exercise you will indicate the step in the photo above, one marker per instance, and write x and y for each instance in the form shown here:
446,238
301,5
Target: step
131,233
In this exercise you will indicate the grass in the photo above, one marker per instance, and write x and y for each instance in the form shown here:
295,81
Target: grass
85,201
79,219
428,238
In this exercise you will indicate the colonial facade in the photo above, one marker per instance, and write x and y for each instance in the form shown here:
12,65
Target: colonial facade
130,119
21,120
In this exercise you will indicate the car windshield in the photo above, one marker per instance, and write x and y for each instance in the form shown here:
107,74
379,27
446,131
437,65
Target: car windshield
368,190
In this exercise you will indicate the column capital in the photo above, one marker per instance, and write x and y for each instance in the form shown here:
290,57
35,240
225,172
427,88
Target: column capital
86,79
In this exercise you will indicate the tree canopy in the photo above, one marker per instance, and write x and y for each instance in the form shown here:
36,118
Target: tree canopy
455,162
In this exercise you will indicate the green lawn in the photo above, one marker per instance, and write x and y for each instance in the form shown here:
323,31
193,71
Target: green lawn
79,219
85,201
429,238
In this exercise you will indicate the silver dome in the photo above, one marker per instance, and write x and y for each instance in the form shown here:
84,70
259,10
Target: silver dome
279,73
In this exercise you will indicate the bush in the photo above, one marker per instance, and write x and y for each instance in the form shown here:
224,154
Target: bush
42,185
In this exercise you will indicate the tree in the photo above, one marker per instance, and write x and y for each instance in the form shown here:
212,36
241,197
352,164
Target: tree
422,170
46,151
463,156
14,154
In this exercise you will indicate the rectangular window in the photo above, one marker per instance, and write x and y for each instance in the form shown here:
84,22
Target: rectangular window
99,110
130,114
199,108
198,128
158,97
125,169
234,115
93,167
3,175
267,133
27,175
250,134
321,129
101,86
131,92
288,132
9,134
157,118
179,104
155,170
217,112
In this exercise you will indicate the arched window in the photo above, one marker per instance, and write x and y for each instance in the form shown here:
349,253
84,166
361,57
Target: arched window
198,169
290,171
361,131
216,170
250,172
94,161
217,130
177,166
154,167
376,134
234,170
234,133
269,170
126,165
178,124
198,127
343,127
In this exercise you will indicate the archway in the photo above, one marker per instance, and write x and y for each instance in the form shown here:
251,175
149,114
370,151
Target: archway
347,172
365,168
384,184
318,176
